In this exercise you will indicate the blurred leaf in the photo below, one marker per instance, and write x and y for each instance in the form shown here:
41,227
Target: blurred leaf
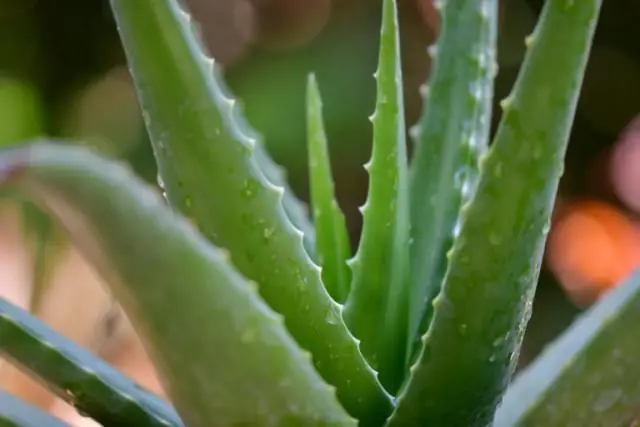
589,375
76,375
251,371
16,413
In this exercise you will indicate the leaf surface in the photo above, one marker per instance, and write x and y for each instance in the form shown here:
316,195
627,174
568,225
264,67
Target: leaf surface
589,375
16,413
76,375
480,316
224,356
211,173
450,137
376,310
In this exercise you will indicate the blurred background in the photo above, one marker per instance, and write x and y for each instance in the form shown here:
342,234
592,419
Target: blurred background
62,74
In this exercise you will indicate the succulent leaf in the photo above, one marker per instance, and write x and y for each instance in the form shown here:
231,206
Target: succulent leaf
207,162
450,137
16,413
224,356
333,246
76,375
589,375
376,310
296,210
482,311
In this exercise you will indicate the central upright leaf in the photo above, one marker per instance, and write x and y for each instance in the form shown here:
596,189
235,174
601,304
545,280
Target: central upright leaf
376,310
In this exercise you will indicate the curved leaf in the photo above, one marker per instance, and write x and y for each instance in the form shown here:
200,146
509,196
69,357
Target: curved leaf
589,376
16,413
224,355
76,375
482,311
207,162
333,238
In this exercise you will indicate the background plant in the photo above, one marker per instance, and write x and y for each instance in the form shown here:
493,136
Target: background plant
261,237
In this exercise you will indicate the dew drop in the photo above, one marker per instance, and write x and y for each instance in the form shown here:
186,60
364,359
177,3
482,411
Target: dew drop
249,189
332,317
248,335
457,228
607,399
497,170
475,88
268,232
495,239
462,329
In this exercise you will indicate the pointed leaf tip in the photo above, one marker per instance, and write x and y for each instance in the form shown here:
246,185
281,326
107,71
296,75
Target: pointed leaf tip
332,238
376,310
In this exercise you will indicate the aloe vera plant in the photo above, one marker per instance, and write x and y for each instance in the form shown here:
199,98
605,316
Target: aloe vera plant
257,313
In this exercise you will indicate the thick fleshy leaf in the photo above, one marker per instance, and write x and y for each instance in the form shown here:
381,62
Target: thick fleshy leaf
333,246
76,375
16,413
376,310
210,171
482,311
295,209
225,357
450,137
589,376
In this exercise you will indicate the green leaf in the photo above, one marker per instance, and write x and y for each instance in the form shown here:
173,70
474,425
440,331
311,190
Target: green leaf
224,356
589,375
16,413
296,210
210,171
376,310
483,309
76,375
450,137
333,244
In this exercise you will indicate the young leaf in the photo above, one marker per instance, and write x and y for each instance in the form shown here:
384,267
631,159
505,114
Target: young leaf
16,413
450,137
481,313
224,356
376,310
589,375
333,244
76,375
211,173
